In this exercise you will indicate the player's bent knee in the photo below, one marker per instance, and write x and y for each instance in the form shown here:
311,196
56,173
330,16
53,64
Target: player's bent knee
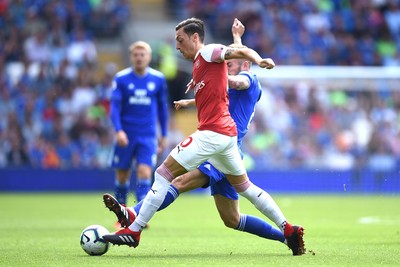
230,221
165,172
242,186
179,183
122,176
144,171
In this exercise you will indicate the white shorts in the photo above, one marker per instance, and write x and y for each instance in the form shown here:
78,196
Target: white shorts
220,150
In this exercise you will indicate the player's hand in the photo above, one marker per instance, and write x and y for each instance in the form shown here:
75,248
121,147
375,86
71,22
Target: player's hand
182,103
237,28
266,63
122,139
162,144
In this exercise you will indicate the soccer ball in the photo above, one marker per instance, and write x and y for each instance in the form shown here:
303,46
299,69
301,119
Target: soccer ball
92,241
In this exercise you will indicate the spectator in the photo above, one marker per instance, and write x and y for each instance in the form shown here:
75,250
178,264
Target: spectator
331,30
36,47
17,155
53,100
81,50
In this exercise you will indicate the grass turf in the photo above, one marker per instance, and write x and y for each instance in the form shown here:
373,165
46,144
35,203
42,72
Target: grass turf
345,230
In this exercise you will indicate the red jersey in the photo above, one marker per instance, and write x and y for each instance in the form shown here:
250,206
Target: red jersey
210,84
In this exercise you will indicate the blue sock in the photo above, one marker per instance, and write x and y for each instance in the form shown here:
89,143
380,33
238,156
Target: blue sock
256,226
142,187
121,192
169,198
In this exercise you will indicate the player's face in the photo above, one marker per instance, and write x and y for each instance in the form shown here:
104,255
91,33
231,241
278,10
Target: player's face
140,58
185,44
234,66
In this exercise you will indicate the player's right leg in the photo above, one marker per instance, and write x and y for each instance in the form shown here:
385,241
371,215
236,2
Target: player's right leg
143,181
146,156
164,174
189,154
186,182
122,184
122,163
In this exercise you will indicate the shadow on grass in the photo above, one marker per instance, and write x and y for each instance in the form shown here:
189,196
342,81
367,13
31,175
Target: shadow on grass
200,255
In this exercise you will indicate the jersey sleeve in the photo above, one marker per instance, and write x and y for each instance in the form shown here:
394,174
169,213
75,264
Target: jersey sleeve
214,53
254,83
163,108
250,76
115,106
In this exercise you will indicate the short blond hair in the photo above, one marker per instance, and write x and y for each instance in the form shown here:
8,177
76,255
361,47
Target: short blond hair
140,44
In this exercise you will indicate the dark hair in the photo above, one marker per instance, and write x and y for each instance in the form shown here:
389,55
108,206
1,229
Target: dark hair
191,26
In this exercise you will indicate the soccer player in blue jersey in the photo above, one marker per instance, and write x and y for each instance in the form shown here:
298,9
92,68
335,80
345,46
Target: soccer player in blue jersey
138,106
244,93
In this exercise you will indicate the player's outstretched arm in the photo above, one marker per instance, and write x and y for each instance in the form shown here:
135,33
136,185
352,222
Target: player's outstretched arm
238,82
251,55
184,103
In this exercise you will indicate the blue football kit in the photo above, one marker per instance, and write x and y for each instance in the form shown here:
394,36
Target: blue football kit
138,106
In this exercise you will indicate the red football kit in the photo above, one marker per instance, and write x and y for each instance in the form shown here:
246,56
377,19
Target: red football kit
210,84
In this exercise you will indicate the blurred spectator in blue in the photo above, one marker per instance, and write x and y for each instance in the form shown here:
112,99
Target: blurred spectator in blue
309,32
52,109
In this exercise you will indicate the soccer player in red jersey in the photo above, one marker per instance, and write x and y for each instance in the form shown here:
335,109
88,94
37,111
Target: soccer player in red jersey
216,137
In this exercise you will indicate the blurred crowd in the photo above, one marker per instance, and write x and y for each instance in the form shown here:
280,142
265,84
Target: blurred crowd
309,125
54,110
307,32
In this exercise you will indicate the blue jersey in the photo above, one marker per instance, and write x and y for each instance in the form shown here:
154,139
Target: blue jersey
138,101
242,104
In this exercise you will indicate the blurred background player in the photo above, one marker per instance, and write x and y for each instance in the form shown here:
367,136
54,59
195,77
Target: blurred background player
244,93
138,101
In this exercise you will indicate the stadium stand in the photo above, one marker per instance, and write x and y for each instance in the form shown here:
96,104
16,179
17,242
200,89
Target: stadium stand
54,102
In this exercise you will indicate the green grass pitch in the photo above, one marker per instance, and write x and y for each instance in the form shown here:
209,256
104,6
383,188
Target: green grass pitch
341,230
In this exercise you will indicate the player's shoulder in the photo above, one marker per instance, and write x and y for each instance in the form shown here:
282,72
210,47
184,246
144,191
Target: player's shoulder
212,46
212,52
123,72
209,48
155,73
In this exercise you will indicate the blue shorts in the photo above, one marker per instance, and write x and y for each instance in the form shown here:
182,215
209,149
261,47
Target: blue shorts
218,183
142,149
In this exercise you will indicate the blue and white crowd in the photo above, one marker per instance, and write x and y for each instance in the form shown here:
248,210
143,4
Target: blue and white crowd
54,111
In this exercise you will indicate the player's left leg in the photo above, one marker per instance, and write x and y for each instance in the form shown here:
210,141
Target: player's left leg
266,205
226,201
146,157
186,182
181,184
230,163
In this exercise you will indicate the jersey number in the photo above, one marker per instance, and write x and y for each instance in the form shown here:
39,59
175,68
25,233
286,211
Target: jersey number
186,142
